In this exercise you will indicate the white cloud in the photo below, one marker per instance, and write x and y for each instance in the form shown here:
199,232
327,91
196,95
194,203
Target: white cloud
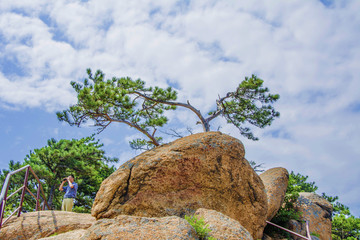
305,51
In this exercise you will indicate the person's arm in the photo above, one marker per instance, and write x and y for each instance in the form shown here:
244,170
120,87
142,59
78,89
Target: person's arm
70,184
61,185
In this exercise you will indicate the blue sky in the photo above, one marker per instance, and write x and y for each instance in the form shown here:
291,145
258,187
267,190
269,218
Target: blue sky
307,51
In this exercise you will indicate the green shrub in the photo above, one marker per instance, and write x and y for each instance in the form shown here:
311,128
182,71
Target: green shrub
81,209
315,234
200,227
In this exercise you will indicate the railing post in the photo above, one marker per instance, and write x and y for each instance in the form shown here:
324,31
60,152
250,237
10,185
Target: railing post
38,198
1,212
3,204
5,188
23,191
308,230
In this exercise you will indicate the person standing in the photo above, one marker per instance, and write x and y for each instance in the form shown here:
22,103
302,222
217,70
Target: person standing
70,193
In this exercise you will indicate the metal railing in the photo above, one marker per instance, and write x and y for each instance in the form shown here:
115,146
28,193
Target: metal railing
24,188
308,236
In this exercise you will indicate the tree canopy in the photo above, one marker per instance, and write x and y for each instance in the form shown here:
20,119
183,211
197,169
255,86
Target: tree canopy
143,107
344,224
83,158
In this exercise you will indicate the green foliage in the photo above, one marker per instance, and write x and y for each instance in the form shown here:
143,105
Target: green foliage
200,227
287,211
130,102
81,209
338,207
315,234
82,158
119,100
242,106
143,143
345,226
297,183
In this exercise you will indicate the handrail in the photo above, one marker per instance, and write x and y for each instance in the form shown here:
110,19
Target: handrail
308,230
5,188
308,237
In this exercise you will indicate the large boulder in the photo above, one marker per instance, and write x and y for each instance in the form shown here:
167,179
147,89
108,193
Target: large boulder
317,211
36,225
276,182
222,227
205,170
131,227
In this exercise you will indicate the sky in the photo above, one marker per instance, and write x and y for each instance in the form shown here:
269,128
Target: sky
306,51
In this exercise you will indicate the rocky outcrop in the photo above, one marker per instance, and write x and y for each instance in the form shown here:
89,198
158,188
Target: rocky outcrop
206,170
276,182
131,227
221,226
317,211
36,225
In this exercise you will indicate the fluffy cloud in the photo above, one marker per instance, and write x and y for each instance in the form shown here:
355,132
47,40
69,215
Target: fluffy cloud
306,51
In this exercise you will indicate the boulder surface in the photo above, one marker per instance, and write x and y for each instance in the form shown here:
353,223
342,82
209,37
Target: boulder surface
71,235
36,225
205,170
317,211
298,227
222,227
131,227
276,182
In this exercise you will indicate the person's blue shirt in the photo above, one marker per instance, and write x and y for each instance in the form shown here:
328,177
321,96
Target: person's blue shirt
70,192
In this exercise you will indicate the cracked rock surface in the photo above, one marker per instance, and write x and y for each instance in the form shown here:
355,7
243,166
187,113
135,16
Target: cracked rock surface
205,170
317,211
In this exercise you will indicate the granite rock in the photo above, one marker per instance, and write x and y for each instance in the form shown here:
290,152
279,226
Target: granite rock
205,170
